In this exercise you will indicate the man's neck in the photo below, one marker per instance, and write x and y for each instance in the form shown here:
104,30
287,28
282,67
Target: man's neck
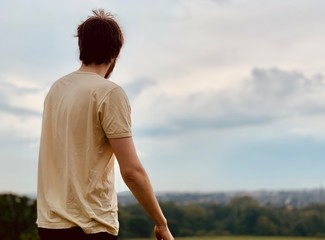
98,69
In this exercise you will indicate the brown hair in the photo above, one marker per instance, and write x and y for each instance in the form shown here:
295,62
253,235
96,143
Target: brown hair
100,38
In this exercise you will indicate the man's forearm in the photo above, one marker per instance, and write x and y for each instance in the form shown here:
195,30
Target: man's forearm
136,178
140,186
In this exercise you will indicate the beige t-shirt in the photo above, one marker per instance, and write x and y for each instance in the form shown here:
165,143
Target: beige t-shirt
76,163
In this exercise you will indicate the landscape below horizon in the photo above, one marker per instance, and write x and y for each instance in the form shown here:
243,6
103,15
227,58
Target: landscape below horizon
296,198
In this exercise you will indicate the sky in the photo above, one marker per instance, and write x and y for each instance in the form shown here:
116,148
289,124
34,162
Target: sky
225,94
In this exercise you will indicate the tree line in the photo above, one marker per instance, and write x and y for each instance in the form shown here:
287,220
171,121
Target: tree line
241,216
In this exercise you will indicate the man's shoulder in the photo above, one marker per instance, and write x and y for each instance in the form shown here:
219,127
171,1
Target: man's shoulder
90,82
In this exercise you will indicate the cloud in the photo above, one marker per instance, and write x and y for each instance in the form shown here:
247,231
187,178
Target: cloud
17,111
136,87
267,96
9,91
279,84
283,93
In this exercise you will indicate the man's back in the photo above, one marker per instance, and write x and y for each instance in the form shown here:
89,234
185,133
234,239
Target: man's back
86,119
76,166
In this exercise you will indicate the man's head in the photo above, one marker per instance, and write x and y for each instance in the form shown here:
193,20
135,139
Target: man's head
100,39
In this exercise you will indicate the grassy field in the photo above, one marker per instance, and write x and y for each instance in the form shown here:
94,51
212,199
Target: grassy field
244,238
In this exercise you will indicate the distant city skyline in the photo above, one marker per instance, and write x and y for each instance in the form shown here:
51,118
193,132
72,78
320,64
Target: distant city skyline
225,94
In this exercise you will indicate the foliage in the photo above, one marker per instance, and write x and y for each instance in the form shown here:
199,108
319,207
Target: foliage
242,216
17,218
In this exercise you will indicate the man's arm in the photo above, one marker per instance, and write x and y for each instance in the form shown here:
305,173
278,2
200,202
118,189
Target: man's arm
136,178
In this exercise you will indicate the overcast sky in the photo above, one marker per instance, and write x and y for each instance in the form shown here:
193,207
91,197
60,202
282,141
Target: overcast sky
225,95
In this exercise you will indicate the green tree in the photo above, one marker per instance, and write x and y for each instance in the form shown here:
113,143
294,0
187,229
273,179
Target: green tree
17,216
264,226
139,227
245,212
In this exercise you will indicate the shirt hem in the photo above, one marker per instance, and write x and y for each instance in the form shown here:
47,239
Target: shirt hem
88,230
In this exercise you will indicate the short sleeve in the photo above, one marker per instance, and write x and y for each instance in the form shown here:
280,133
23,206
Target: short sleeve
115,114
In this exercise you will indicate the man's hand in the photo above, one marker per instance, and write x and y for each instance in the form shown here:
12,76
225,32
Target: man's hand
163,233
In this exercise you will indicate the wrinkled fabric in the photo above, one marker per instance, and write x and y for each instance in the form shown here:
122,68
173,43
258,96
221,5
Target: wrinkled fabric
76,162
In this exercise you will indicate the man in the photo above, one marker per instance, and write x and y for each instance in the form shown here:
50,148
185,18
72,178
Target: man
86,121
